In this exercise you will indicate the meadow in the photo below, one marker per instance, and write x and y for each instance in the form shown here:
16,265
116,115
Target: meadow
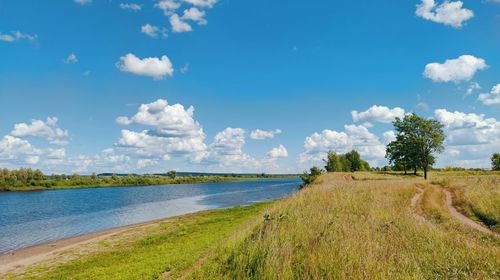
344,226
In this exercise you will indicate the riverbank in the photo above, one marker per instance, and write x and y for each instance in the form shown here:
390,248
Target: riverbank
124,183
169,246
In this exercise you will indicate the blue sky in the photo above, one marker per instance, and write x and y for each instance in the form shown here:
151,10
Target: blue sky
70,68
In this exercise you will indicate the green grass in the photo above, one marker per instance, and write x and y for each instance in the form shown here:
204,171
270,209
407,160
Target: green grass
171,247
355,230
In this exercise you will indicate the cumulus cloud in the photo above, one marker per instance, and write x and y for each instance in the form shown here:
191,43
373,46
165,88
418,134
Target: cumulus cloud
389,136
178,25
378,114
449,12
46,129
174,131
422,106
154,67
470,138
17,36
17,151
153,31
131,6
462,68
202,3
259,134
472,87
353,137
278,152
227,150
71,59
491,98
168,6
195,15
82,2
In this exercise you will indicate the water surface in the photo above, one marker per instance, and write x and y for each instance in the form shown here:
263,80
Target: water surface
30,218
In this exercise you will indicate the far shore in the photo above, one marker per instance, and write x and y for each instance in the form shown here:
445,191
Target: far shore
177,181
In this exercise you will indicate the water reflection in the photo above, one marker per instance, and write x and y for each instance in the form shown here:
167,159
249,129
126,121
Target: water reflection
35,217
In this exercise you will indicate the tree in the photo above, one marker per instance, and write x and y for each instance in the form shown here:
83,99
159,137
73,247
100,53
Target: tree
172,174
354,159
332,162
309,178
417,141
495,162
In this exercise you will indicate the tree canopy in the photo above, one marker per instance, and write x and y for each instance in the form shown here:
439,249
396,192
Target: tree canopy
417,142
348,162
495,162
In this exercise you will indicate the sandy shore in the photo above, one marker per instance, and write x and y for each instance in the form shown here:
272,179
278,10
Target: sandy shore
25,257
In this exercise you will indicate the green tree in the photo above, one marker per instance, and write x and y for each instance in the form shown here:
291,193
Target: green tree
172,174
495,162
419,140
333,163
309,178
354,159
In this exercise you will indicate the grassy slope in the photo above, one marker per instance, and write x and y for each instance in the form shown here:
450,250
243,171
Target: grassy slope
475,196
170,247
356,230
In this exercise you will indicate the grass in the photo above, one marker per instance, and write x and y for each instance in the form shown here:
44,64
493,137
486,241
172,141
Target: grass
476,196
344,226
356,230
168,248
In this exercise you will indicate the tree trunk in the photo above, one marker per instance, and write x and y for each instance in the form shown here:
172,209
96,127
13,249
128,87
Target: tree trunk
404,167
415,171
425,172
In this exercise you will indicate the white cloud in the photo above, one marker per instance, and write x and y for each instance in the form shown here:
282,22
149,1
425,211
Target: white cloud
56,153
17,36
389,136
154,67
168,6
178,25
278,152
131,6
202,3
71,59
195,15
462,68
46,129
227,151
354,137
468,129
449,12
491,98
472,87
153,31
259,134
17,151
471,139
174,131
378,114
82,2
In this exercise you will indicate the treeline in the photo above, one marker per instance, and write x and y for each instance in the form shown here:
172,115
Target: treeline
348,162
29,179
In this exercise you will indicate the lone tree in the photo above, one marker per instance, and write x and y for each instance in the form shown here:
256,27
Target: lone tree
417,141
495,162
172,174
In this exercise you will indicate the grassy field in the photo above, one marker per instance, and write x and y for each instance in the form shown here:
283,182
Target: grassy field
345,226
341,229
478,197
168,248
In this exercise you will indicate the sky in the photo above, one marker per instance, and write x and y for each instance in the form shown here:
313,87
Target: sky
241,86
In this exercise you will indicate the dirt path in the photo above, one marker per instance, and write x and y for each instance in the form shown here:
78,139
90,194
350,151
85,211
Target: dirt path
414,201
465,220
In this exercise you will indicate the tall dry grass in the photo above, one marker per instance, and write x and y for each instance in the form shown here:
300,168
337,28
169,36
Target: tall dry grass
344,229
